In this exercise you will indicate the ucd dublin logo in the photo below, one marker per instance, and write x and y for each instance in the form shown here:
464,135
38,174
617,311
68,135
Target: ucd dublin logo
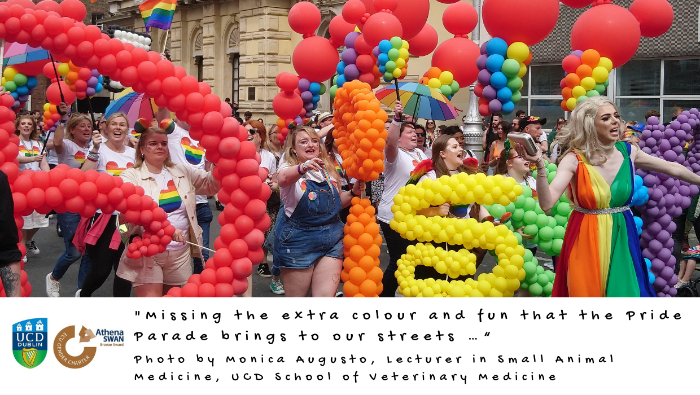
29,342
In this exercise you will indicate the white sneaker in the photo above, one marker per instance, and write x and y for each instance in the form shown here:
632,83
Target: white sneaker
52,287
24,258
33,248
77,293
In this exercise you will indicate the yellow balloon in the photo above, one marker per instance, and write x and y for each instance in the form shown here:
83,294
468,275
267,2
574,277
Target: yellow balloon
9,73
589,83
400,63
404,44
446,78
3,81
47,106
518,51
397,73
523,70
600,74
403,53
434,83
606,63
579,91
63,69
571,104
357,29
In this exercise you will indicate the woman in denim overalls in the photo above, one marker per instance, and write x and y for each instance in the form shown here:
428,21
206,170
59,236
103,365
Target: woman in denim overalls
309,236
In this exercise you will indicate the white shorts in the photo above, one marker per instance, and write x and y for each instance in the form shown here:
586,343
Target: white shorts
35,220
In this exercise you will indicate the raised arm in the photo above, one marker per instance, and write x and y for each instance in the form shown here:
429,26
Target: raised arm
324,131
292,174
59,134
391,150
96,142
645,161
549,194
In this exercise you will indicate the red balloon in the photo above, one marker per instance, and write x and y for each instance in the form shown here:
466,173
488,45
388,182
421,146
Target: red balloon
353,11
460,18
238,249
190,290
49,5
287,105
364,63
315,59
576,4
53,95
176,292
207,291
655,16
361,46
224,290
242,268
413,15
339,28
571,63
304,17
545,12
381,26
48,70
208,276
287,82
224,275
424,42
20,201
459,56
73,9
212,122
609,29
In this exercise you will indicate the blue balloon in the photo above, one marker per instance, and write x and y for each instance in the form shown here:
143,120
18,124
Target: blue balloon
98,88
382,69
385,46
14,95
100,79
498,80
341,80
340,67
652,278
383,58
495,62
315,106
315,99
315,88
22,90
497,46
648,263
507,107
504,95
32,82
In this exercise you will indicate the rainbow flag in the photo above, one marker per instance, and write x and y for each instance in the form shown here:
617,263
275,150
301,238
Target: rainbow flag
158,13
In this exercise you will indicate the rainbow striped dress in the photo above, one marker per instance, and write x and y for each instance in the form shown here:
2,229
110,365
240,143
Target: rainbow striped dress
601,255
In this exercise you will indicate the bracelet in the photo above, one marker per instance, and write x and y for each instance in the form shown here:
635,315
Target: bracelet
397,120
353,193
93,156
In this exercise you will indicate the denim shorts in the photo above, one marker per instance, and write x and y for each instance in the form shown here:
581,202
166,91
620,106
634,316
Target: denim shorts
299,247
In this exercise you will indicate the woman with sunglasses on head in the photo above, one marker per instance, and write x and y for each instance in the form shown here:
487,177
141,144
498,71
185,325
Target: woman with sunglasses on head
174,187
601,255
98,236
257,134
430,132
71,142
497,146
309,235
30,157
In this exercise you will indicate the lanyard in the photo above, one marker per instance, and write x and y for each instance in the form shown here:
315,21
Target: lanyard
326,176
29,149
418,159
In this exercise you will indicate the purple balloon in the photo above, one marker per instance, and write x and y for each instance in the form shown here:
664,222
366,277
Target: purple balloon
308,106
682,134
481,62
95,73
651,142
306,96
90,91
683,118
667,273
668,133
657,265
646,134
654,228
694,111
675,125
484,77
653,121
577,53
672,292
663,236
489,93
483,48
653,211
375,51
655,246
664,145
657,134
660,283
495,106
350,39
647,150
673,141
348,56
351,72
92,82
664,254
666,289
304,84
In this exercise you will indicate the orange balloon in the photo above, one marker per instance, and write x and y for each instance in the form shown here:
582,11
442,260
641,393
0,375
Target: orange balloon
372,229
351,219
566,93
363,202
365,240
373,251
368,288
357,275
344,276
584,71
356,209
375,274
380,288
572,80
350,289
366,263
378,166
433,72
368,165
377,154
349,241
349,264
590,57
365,220
378,240
357,252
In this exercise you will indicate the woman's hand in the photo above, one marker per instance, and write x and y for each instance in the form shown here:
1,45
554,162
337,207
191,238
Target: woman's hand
179,236
96,140
358,187
38,158
272,182
63,109
444,209
520,149
315,164
398,109
523,234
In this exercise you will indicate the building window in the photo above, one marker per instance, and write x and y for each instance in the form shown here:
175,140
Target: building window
199,62
235,63
541,93
251,93
95,17
661,85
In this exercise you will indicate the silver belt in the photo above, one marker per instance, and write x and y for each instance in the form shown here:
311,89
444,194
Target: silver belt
600,211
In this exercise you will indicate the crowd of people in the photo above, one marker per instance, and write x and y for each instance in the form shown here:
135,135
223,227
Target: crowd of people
312,193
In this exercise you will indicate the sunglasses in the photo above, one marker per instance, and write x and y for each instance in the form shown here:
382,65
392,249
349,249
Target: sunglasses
420,134
252,131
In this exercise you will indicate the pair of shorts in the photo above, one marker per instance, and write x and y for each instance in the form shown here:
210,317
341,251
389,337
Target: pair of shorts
300,247
35,221
692,253
168,268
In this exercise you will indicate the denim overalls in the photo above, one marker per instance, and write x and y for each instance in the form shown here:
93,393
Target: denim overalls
313,231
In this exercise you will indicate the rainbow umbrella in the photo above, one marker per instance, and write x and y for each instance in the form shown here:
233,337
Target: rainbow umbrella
134,105
419,100
25,59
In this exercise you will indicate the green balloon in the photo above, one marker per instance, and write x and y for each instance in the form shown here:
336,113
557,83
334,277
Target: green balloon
518,215
592,93
496,210
561,220
532,279
396,43
446,90
514,83
527,191
548,289
530,230
10,86
600,88
556,245
551,167
530,217
559,232
552,222
539,269
546,246
563,209
524,285
393,54
510,207
520,202
550,176
542,220
335,78
333,89
519,237
535,289
323,89
390,67
550,275
530,204
542,279
20,79
529,268
581,98
388,76
528,256
454,86
538,210
510,68
546,233
606,83
516,97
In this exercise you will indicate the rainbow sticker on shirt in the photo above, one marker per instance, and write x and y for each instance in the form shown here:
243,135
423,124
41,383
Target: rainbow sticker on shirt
114,169
169,200
33,151
79,157
193,153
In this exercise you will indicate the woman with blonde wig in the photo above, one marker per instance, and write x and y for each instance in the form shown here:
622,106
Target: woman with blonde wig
601,255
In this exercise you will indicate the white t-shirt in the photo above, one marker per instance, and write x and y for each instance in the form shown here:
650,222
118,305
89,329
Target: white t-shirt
73,155
291,194
428,153
186,150
396,175
268,161
29,149
170,201
51,157
431,174
115,163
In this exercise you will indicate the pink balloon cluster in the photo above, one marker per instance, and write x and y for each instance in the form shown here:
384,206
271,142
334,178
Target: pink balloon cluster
667,196
58,29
